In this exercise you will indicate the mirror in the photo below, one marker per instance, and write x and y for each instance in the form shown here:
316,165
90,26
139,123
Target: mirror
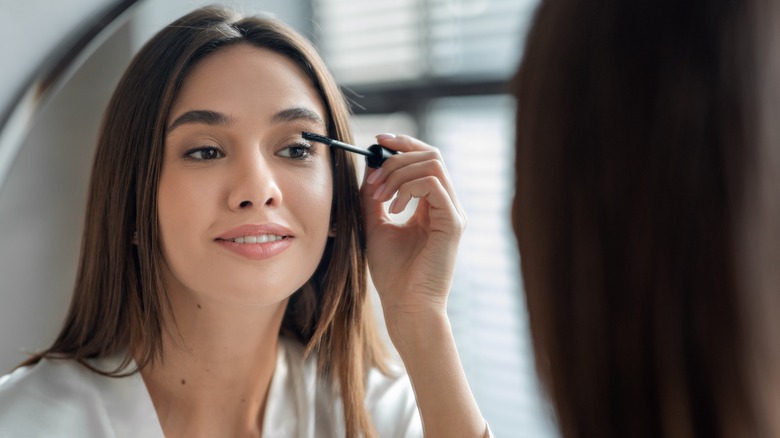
42,197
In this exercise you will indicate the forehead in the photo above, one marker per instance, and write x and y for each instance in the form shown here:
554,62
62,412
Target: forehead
243,79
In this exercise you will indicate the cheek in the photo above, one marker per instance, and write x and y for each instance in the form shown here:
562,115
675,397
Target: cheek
312,197
179,202
321,190
169,211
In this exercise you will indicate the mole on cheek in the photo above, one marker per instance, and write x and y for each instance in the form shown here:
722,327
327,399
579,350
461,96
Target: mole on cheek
183,382
199,306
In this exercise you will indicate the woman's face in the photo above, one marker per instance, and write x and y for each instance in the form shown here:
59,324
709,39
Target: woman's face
244,202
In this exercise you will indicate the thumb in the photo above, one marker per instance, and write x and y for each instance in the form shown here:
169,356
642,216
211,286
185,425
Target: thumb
373,210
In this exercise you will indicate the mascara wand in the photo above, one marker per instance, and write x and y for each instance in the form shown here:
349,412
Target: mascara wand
375,154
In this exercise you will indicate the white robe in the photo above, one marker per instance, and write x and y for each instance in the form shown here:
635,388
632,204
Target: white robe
61,398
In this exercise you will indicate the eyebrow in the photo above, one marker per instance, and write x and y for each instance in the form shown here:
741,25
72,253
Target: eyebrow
201,116
216,118
297,113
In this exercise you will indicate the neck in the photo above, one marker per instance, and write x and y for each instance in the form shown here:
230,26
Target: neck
217,359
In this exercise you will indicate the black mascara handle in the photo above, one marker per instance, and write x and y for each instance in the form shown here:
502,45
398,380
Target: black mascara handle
378,155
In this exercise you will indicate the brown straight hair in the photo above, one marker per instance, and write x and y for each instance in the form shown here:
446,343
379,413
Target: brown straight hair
119,302
647,215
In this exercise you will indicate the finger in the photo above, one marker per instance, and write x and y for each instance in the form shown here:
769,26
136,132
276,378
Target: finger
373,210
411,166
414,150
442,212
398,161
402,143
394,176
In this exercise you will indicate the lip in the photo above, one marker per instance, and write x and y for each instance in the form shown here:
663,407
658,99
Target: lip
256,251
255,229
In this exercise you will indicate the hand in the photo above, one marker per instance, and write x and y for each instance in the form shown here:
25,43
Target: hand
411,263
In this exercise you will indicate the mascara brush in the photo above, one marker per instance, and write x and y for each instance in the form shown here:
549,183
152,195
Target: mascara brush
375,154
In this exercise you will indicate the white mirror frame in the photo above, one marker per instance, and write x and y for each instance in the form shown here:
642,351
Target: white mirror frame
18,118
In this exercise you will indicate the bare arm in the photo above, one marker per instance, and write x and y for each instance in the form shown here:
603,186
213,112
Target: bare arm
412,266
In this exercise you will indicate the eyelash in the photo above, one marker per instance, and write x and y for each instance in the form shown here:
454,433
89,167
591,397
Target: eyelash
308,151
190,153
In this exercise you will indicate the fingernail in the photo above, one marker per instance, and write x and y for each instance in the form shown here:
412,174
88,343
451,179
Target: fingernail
379,191
374,176
385,136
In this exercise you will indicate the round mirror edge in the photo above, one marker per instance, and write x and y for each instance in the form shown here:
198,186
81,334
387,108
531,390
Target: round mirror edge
15,123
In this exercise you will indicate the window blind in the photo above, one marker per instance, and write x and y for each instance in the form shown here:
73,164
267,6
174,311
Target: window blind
371,41
486,305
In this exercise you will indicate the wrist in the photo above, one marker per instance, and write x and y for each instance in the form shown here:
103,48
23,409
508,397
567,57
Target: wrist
413,332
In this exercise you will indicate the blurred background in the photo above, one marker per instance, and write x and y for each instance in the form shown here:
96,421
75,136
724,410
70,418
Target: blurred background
435,69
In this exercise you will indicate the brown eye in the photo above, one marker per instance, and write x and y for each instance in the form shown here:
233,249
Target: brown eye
204,153
297,151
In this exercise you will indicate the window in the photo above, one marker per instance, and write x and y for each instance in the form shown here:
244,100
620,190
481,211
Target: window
375,41
487,310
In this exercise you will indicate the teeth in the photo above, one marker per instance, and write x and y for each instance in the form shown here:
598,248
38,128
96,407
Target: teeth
263,238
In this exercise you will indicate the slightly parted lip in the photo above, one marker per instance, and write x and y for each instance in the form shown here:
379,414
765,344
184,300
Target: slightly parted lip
254,230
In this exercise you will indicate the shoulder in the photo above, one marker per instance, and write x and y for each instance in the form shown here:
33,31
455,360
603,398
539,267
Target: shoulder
36,400
389,396
66,399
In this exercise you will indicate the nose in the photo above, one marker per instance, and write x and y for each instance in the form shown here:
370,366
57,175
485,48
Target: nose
254,184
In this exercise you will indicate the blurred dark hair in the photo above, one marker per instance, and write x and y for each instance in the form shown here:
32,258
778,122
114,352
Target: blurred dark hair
647,214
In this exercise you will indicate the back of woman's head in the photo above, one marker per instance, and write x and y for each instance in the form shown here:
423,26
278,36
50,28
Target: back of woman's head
646,214
119,302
